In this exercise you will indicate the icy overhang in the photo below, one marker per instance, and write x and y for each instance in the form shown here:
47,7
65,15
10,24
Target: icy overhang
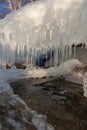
46,21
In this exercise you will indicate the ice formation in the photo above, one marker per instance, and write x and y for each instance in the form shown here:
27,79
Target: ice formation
42,26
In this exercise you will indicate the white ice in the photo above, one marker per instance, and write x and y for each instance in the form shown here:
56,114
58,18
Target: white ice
47,22
42,24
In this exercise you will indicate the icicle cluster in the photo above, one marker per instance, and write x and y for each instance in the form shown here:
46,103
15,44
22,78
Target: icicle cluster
43,30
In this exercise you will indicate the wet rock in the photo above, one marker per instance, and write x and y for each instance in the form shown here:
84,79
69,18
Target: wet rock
61,101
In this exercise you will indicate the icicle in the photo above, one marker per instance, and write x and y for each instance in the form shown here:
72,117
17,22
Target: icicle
25,54
83,45
50,57
70,51
74,51
31,62
18,54
46,54
34,56
66,52
17,58
63,53
38,57
45,35
7,55
86,46
28,54
62,60
20,59
51,33
0,55
59,56
22,55
10,55
55,56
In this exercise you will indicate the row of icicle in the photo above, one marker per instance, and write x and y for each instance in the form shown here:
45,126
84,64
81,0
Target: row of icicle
23,54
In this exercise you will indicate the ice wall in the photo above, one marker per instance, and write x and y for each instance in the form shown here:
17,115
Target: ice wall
42,26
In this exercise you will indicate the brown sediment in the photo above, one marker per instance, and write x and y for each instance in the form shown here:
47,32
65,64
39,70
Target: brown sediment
20,66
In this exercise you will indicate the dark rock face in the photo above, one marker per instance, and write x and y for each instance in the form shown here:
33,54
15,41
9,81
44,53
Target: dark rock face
62,102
